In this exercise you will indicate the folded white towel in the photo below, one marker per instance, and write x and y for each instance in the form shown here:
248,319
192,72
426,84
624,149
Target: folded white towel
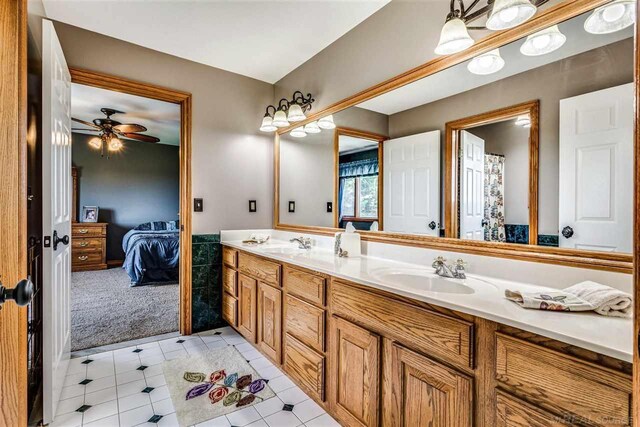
605,300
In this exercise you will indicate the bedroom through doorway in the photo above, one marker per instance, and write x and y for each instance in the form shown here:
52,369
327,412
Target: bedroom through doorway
125,282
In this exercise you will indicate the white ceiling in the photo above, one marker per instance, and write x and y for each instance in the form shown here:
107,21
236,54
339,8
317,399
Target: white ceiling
350,144
162,119
458,79
261,39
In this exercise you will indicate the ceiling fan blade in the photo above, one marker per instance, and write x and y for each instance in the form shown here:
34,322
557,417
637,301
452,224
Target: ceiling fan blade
91,125
129,128
87,130
140,137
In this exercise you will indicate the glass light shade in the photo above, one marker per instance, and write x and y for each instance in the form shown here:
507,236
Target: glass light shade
312,128
454,37
295,113
298,132
267,124
523,121
326,122
543,42
280,119
95,142
115,144
509,13
611,17
487,63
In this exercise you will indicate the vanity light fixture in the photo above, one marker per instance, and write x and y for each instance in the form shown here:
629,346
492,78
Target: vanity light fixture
287,112
611,17
509,13
454,36
523,121
298,132
487,63
543,42
312,128
326,122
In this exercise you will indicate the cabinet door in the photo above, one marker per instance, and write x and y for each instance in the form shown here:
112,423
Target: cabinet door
355,365
230,309
513,412
247,307
428,393
270,321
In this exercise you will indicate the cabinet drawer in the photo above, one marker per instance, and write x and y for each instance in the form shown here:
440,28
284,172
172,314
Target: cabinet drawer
230,309
305,322
88,230
230,281
433,333
305,366
513,412
86,257
265,271
230,257
87,244
307,286
563,383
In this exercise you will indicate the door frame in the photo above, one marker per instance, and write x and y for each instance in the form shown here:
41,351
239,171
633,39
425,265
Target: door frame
451,162
147,90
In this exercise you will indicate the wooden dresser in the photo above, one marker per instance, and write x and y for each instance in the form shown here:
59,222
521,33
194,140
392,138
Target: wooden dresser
88,246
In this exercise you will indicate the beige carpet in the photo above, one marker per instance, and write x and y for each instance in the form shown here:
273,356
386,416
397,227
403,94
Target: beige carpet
105,310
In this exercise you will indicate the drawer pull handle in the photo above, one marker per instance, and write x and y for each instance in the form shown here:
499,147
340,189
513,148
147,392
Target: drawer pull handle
83,244
83,258
83,231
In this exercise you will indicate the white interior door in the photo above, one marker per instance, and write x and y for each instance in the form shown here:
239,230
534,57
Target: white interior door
412,184
56,214
472,187
596,166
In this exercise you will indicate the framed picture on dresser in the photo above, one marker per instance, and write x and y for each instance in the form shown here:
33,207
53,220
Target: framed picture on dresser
89,214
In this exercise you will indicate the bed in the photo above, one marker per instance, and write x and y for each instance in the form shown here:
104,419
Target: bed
152,252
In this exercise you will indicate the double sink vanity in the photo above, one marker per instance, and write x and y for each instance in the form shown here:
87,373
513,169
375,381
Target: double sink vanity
381,342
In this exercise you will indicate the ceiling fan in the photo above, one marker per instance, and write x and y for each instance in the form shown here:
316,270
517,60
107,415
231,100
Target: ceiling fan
110,131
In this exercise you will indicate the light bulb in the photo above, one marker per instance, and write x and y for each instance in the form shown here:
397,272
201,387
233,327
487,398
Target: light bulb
543,42
611,17
115,144
487,63
509,13
95,142
613,12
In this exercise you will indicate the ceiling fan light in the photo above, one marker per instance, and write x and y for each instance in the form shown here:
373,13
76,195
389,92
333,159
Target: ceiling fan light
115,144
611,17
95,143
454,38
326,122
298,132
487,63
312,128
280,119
543,42
295,113
267,124
509,13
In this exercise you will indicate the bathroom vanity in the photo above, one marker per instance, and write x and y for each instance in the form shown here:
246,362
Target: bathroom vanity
373,350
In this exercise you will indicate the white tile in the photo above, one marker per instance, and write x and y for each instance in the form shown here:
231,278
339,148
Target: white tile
129,376
100,396
105,355
69,405
74,379
323,421
259,423
261,362
149,345
150,360
197,349
269,406
283,419
234,340
160,393
152,371
127,366
132,401
175,354
130,388
252,355
226,330
73,419
101,384
170,420
269,372
292,396
280,384
76,368
100,369
216,422
111,421
217,344
243,417
210,338
125,354
72,391
170,346
136,416
100,411
307,410
156,381
163,407
243,348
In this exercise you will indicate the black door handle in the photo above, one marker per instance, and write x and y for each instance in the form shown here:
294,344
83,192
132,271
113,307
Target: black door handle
21,294
567,232
484,222
433,225
64,240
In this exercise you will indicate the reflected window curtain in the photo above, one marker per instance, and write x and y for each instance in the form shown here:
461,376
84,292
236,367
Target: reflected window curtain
351,170
340,193
494,230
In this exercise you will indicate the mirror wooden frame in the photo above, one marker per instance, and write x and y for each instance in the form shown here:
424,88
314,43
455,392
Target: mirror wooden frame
339,131
615,262
452,146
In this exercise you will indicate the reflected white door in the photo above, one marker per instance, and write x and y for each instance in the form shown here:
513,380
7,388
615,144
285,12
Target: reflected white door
412,184
472,187
56,208
596,170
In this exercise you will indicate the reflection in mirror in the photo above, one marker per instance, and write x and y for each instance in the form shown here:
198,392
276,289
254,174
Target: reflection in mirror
573,192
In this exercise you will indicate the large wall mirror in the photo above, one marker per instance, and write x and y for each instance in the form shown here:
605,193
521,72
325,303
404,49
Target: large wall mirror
528,146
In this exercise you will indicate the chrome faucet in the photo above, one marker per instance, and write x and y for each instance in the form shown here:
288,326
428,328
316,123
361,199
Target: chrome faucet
455,271
303,242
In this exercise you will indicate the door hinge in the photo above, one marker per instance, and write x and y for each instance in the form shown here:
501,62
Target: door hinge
47,241
181,227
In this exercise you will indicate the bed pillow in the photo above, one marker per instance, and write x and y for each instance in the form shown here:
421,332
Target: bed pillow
158,226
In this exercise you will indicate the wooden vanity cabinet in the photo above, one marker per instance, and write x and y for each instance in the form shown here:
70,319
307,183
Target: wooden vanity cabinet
269,337
247,307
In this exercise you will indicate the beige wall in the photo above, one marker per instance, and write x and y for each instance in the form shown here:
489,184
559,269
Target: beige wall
562,79
232,162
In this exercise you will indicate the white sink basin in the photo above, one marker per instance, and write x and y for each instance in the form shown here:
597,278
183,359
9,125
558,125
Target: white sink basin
424,280
283,250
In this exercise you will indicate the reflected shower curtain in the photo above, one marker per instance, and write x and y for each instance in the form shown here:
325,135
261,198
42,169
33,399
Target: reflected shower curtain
494,198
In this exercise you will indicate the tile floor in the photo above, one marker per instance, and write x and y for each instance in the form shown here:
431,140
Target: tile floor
126,387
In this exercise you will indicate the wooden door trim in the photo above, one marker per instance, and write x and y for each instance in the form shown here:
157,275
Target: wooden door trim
336,167
13,208
147,90
636,234
451,153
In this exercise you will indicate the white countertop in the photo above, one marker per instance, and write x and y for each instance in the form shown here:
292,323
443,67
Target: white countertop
606,335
